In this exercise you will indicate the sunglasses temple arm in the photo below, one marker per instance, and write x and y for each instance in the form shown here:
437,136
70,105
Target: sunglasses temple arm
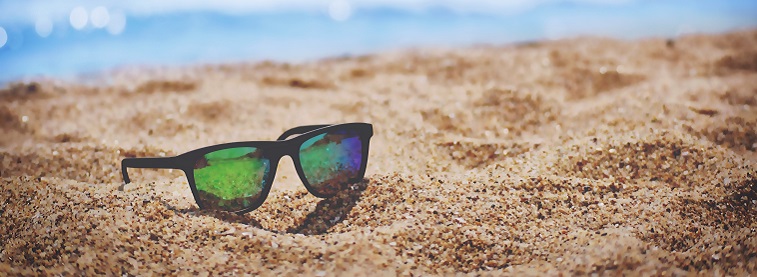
161,162
300,130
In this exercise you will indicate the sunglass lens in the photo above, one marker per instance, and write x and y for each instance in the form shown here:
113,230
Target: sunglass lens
231,179
331,160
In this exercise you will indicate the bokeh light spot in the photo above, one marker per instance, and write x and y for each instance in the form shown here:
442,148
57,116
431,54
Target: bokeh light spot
3,37
117,23
340,10
100,17
43,26
78,18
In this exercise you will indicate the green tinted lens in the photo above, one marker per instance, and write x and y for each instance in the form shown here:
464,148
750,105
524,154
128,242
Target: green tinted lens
331,160
231,179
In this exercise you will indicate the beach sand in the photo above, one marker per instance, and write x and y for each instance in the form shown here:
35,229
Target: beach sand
577,156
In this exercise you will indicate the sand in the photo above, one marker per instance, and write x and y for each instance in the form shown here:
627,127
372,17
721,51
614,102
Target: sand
571,157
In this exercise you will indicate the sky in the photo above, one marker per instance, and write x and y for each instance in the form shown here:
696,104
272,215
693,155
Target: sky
29,11
66,39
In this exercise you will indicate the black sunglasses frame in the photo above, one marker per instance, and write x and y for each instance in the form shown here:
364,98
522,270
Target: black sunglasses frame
273,151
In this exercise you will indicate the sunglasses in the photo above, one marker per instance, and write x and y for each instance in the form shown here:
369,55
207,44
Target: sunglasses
236,177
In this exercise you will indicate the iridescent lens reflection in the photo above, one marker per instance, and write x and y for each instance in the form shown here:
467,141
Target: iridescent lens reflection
231,179
332,160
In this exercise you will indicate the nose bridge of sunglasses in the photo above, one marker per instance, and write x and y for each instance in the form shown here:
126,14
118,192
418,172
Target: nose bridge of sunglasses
286,176
282,148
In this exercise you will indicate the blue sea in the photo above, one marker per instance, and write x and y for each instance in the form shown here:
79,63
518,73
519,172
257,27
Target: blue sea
62,46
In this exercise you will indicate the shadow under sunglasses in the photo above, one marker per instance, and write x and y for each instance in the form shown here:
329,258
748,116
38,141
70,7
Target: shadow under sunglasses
328,212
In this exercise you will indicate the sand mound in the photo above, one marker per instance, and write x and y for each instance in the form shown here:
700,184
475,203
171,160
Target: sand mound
576,156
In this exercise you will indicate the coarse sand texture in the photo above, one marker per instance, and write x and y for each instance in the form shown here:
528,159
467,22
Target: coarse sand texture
576,156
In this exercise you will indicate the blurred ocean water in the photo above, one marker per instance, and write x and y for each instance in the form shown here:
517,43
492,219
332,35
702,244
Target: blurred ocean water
65,39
